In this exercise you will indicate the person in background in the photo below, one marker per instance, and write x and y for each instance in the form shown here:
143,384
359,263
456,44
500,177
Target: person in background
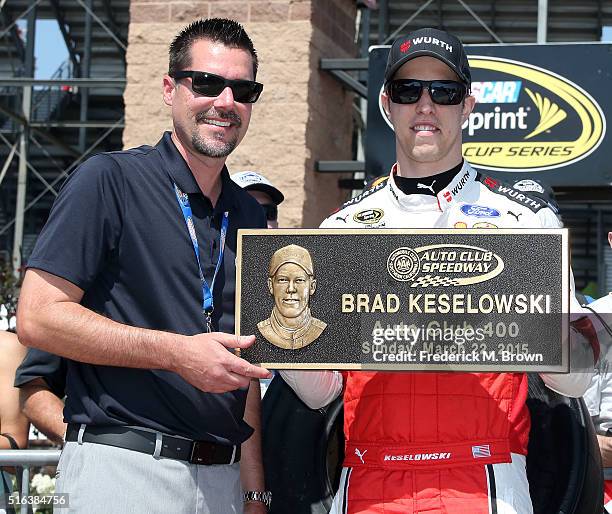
14,426
269,197
133,280
260,188
598,397
41,380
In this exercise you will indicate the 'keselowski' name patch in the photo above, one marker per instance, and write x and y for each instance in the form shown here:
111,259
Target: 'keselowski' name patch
419,456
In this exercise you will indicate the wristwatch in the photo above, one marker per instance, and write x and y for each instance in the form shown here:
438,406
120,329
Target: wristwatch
264,497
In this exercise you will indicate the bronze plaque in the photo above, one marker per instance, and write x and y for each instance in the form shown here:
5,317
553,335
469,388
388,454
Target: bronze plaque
405,299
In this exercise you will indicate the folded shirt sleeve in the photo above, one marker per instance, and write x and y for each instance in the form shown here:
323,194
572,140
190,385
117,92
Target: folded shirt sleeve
315,388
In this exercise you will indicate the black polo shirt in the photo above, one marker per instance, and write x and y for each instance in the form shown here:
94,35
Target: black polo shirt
116,231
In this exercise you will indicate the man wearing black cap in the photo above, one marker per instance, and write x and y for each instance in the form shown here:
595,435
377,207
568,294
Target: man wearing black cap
435,442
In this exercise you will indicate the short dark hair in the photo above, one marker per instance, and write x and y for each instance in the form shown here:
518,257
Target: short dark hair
219,30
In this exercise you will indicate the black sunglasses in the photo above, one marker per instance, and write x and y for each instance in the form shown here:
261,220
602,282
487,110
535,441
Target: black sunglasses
442,92
271,211
208,84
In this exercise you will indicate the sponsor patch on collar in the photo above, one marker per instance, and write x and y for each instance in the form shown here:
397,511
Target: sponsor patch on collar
533,203
528,185
479,211
364,194
456,186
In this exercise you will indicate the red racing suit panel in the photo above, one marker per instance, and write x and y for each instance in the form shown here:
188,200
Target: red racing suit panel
471,498
419,410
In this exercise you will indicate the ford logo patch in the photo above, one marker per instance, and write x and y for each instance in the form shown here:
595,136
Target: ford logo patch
479,211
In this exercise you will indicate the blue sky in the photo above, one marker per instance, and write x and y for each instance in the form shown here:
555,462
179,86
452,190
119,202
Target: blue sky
49,47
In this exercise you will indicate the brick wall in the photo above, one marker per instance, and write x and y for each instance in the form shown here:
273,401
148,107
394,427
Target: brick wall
329,130
303,115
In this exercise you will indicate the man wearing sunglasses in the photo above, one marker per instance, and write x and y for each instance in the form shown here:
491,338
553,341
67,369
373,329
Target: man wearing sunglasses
132,280
458,440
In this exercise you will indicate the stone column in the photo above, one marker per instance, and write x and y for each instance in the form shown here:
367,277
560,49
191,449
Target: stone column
303,115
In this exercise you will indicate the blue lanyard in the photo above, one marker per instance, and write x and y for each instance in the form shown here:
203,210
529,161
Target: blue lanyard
207,292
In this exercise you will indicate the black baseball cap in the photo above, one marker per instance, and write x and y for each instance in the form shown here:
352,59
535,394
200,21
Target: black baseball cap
433,43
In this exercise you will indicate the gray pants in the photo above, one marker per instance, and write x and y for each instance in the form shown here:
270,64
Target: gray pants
103,479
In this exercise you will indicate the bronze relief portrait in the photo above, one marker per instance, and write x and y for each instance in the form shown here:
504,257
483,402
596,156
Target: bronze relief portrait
291,282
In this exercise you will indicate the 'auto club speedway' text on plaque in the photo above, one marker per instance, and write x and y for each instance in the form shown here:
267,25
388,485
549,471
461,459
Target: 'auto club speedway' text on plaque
395,299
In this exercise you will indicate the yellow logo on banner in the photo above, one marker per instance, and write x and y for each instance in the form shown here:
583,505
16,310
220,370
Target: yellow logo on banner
554,98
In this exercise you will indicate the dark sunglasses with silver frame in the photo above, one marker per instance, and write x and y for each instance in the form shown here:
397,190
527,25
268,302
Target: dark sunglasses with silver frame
209,84
442,92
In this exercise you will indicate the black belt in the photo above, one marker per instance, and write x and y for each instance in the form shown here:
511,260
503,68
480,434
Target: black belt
143,441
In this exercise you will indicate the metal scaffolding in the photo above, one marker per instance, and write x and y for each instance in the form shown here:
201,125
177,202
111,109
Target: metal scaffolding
49,126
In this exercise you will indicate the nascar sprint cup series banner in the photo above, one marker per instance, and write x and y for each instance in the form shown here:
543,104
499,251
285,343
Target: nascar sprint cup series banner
429,299
540,110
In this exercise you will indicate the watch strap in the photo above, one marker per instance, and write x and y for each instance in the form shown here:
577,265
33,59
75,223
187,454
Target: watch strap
264,497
